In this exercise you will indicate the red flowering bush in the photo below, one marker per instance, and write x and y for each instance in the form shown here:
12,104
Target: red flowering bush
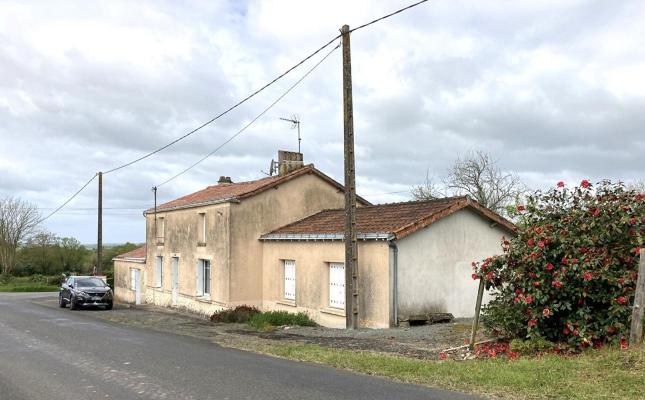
570,273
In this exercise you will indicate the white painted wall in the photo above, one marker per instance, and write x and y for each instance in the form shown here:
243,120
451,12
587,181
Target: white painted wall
435,264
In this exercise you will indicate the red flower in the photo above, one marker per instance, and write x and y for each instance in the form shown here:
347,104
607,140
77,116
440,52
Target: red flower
621,300
489,275
474,276
596,212
532,322
560,184
536,284
611,330
575,332
564,260
528,299
632,221
587,276
442,356
529,242
540,244
566,331
621,281
517,299
624,345
520,208
549,267
640,197
584,183
546,312
519,292
557,284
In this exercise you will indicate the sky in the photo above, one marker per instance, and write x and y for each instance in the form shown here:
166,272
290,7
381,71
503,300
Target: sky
554,90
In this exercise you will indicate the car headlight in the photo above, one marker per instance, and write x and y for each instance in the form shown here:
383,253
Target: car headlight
108,294
80,293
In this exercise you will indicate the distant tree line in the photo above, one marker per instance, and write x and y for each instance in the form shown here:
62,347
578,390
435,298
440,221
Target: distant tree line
25,249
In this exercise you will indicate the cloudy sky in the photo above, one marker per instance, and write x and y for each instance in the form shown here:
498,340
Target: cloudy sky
553,89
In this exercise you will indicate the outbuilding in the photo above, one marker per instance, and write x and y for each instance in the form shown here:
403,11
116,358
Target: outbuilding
414,260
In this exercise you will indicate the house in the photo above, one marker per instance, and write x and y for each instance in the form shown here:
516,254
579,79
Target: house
203,250
277,243
414,258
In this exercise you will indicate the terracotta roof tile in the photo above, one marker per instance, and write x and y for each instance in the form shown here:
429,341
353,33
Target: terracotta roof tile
241,190
140,252
400,219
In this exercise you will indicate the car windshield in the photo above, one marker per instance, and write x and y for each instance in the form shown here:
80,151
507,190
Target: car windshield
90,282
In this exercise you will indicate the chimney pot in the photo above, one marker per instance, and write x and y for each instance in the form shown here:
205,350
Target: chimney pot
289,161
224,180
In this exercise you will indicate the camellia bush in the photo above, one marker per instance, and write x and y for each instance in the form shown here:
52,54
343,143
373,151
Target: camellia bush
570,273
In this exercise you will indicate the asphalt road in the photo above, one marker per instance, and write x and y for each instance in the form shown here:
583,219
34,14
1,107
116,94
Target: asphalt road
50,353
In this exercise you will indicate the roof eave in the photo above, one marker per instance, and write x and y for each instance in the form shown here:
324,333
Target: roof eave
193,205
322,236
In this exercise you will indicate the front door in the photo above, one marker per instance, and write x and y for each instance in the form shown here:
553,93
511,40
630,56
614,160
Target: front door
136,277
175,280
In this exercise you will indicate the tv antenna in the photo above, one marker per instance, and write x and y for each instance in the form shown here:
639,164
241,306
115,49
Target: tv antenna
295,123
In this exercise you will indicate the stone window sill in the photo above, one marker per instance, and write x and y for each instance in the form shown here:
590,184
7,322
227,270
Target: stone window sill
333,311
290,303
203,299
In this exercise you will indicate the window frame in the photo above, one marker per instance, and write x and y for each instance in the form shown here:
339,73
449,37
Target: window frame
204,278
159,272
286,295
334,287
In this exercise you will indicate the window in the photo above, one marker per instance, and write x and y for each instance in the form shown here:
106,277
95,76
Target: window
133,279
159,272
337,285
201,226
289,279
203,278
161,229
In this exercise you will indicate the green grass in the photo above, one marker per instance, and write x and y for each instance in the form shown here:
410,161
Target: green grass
28,288
37,283
600,374
268,320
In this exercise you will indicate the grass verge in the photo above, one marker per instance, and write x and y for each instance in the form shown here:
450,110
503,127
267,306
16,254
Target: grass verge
608,373
28,288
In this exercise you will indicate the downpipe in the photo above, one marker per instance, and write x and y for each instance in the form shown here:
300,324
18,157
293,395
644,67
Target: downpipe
395,280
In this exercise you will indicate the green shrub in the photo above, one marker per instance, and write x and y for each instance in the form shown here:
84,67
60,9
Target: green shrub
27,288
570,273
531,346
5,279
240,314
267,320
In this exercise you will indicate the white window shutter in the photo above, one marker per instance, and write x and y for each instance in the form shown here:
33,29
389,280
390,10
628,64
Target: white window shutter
337,285
289,279
199,274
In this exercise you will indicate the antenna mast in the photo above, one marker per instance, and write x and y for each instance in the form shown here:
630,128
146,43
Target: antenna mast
295,123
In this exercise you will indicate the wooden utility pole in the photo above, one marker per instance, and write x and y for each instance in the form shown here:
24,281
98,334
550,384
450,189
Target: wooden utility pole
478,307
351,245
154,234
99,239
636,331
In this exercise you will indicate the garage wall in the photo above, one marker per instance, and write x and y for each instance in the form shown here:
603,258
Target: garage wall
435,264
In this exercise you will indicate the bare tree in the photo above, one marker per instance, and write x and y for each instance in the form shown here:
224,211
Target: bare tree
638,186
428,190
478,175
18,221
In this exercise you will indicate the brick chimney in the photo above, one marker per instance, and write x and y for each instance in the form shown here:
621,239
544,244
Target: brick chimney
224,180
289,161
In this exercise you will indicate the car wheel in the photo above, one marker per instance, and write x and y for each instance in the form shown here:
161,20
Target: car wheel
61,302
108,306
72,304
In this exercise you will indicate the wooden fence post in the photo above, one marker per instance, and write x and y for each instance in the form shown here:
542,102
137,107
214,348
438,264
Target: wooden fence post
636,331
478,306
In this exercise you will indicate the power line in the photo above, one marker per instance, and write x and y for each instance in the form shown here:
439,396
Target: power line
387,16
68,200
252,121
227,110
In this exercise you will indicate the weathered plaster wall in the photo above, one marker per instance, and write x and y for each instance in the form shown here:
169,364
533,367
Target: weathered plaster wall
263,213
312,280
181,239
435,264
123,293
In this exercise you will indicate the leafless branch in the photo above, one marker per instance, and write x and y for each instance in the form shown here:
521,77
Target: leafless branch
18,221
